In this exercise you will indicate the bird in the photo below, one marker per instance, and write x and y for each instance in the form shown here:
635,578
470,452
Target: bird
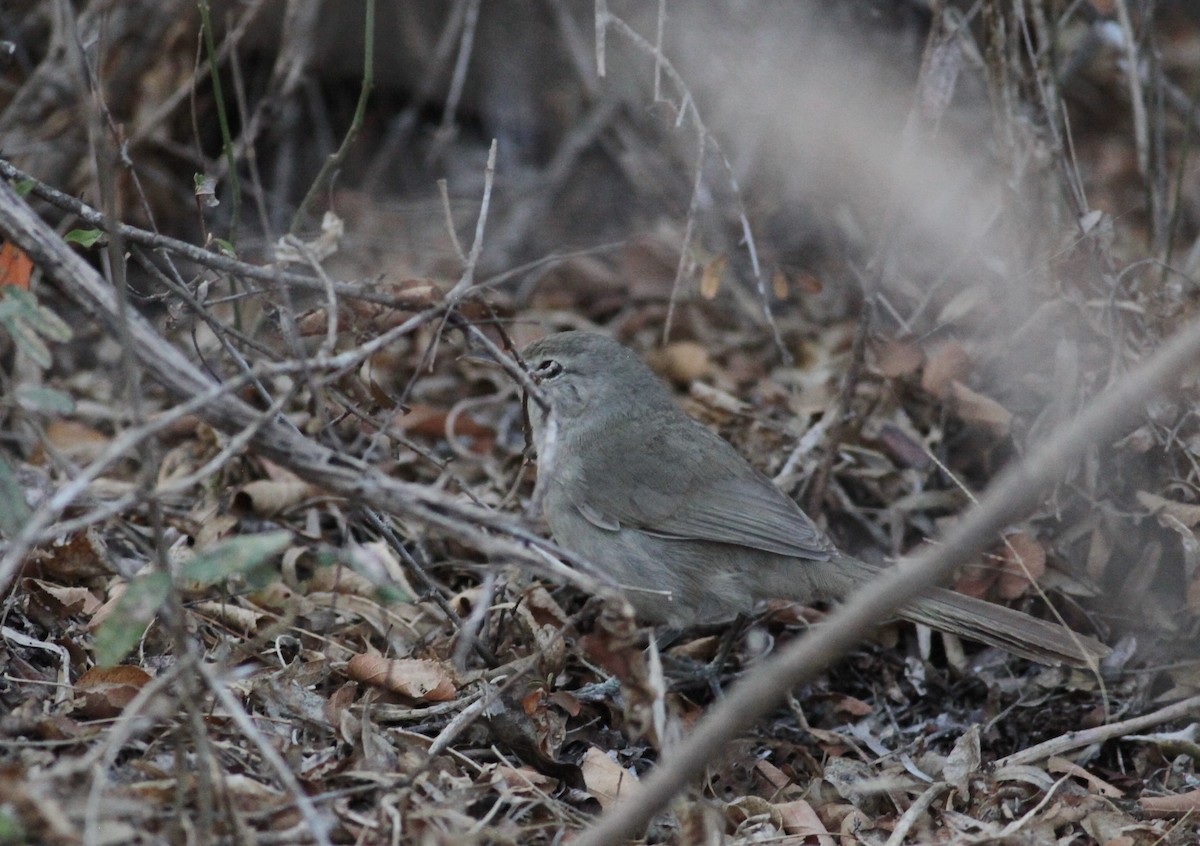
688,528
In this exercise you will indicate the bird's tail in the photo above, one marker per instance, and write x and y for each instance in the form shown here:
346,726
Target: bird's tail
995,625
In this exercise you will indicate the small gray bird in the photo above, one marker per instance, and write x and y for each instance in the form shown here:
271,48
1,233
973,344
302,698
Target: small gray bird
688,528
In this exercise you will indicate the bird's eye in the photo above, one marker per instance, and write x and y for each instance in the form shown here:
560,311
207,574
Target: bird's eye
547,369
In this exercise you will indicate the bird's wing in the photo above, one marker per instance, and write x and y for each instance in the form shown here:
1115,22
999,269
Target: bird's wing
702,489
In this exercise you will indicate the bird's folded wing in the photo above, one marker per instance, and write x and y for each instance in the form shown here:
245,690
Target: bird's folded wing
704,490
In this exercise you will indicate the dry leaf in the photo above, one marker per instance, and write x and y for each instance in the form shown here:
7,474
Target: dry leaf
1185,513
267,497
899,357
974,407
710,279
606,779
430,681
1172,806
947,363
105,691
77,441
15,267
1024,560
1060,766
800,820
681,361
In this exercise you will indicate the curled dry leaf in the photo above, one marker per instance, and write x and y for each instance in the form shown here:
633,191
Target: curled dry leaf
712,276
1024,563
974,407
682,362
430,681
947,363
268,497
103,692
1172,806
800,820
1185,513
76,441
61,600
899,357
1062,766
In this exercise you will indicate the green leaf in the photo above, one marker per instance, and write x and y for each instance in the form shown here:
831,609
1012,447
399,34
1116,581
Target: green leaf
14,510
24,186
51,326
27,340
46,400
240,555
226,247
123,629
84,237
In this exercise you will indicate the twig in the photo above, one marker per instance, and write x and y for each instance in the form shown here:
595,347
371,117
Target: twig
200,255
317,827
1076,739
468,275
334,161
1011,496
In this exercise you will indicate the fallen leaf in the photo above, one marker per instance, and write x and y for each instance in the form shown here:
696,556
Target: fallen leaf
945,364
1172,806
431,681
1185,513
606,779
105,691
1024,563
899,357
983,411
710,279
15,267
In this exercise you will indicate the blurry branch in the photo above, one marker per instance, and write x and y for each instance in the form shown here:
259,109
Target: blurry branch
342,474
334,161
686,109
199,255
468,275
1013,494
458,78
317,826
210,47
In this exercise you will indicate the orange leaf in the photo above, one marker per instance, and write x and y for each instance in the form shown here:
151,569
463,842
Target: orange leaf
15,267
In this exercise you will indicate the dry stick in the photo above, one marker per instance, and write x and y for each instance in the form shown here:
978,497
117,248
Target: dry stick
1076,739
1014,493
342,474
200,255
317,827
334,161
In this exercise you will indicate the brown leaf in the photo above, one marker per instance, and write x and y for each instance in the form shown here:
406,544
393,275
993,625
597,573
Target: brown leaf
1172,806
1185,513
899,357
430,681
983,411
710,279
1024,563
800,820
77,441
1061,766
852,706
267,498
65,601
105,691
976,580
946,363
682,362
